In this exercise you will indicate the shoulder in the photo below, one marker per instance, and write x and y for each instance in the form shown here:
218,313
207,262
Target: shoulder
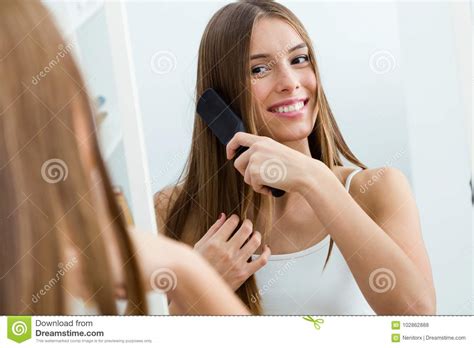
163,197
380,189
163,200
379,179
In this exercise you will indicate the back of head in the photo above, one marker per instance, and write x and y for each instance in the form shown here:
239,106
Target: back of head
47,192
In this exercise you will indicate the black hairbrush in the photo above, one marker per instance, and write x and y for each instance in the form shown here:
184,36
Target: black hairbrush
223,122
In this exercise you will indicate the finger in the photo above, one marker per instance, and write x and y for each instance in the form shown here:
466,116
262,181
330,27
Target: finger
239,238
240,139
252,244
264,190
248,177
242,161
229,226
254,181
261,261
214,228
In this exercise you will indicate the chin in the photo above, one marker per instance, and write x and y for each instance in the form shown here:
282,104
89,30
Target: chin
288,131
292,133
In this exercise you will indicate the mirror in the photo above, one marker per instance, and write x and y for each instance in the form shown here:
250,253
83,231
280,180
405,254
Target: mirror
391,85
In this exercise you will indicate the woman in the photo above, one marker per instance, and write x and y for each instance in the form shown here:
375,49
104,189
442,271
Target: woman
64,246
259,57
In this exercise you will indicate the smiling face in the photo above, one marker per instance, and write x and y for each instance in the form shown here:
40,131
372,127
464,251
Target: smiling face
283,81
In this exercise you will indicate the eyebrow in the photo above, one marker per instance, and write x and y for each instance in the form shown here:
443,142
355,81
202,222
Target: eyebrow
265,55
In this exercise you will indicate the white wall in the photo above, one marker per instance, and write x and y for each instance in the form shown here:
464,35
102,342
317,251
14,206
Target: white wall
367,104
165,40
438,148
391,76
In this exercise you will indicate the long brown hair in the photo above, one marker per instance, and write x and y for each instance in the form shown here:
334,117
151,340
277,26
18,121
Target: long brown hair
210,184
40,206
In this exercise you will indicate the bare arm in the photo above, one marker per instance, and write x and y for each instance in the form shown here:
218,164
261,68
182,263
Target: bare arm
197,288
384,247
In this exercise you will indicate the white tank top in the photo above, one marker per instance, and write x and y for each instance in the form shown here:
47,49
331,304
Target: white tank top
291,284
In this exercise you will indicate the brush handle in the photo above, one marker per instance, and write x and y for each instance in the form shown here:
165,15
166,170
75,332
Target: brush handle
275,192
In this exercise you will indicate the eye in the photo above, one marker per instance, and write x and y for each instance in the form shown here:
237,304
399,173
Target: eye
259,70
300,59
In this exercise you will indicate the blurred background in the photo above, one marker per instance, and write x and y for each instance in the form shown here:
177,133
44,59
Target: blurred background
398,76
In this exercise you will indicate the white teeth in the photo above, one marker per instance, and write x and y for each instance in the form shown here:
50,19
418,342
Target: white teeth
289,108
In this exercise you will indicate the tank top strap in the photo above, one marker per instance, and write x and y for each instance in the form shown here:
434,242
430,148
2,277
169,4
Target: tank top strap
350,176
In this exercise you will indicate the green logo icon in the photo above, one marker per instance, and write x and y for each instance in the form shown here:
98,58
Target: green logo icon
19,329
395,337
395,325
316,322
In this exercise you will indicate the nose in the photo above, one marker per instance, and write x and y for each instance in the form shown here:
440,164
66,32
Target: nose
287,81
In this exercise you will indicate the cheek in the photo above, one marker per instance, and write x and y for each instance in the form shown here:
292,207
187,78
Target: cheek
308,81
261,91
